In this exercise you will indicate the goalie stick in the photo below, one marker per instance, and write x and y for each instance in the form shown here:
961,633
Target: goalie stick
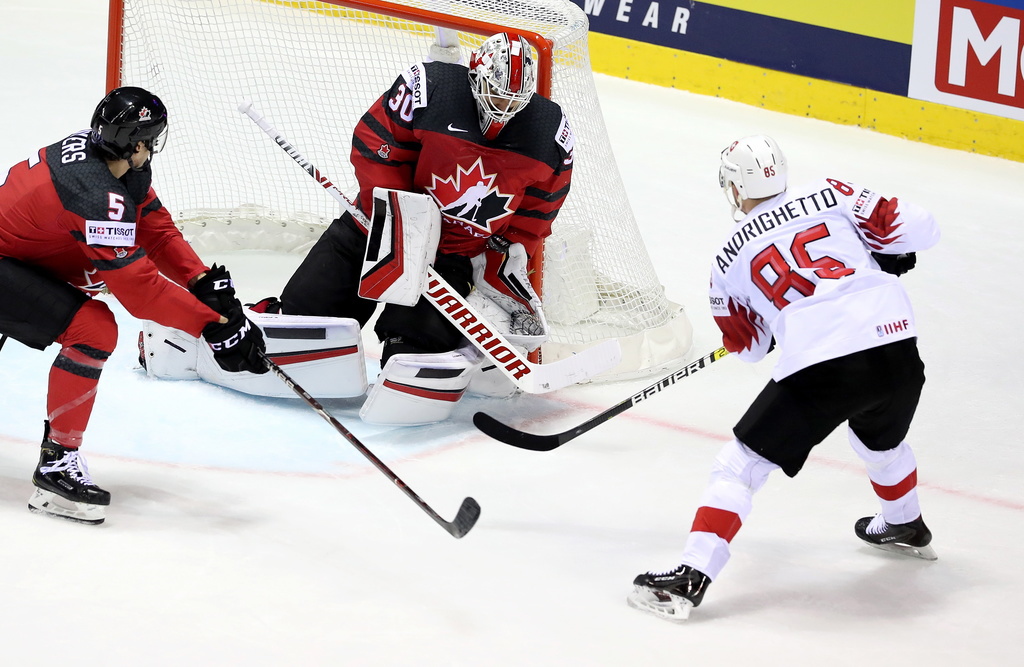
545,443
468,512
528,376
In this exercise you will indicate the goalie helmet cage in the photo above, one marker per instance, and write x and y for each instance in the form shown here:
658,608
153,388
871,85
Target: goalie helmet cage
313,68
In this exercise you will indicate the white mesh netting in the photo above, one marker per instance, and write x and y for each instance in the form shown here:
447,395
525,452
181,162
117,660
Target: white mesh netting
313,68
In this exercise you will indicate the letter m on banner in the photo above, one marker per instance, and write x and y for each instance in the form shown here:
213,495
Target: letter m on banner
980,51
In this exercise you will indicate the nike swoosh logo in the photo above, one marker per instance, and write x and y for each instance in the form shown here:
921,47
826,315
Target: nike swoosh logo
452,128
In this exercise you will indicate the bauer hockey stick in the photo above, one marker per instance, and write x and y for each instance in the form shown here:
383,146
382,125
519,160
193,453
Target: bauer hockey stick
545,443
468,512
528,376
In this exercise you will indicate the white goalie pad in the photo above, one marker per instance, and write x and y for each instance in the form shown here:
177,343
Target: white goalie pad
415,389
506,297
324,355
401,244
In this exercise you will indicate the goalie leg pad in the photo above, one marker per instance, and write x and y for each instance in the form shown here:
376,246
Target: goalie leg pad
168,353
322,354
415,389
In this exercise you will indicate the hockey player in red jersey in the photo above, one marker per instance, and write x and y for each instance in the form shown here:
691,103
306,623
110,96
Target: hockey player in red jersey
814,270
80,217
494,156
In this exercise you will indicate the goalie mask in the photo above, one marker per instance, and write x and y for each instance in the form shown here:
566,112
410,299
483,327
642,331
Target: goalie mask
756,166
503,78
125,117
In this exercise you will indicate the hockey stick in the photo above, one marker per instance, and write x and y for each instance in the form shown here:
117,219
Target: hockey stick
545,443
468,513
528,376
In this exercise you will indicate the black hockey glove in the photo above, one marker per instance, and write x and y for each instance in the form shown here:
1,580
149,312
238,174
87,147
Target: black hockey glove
897,265
236,344
498,243
217,290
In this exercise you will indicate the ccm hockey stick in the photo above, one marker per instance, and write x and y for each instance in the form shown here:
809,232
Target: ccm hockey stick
528,376
545,443
468,512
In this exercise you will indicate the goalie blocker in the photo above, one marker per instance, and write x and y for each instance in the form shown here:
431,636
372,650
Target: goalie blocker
425,388
325,354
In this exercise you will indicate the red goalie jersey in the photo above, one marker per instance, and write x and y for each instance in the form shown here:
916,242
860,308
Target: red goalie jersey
799,267
64,212
423,135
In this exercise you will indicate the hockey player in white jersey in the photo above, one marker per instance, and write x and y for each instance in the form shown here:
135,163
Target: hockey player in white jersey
814,271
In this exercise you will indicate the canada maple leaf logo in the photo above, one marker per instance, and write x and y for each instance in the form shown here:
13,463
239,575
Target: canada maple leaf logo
470,196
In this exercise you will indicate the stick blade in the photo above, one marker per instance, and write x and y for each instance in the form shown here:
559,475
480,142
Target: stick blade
465,519
579,367
511,436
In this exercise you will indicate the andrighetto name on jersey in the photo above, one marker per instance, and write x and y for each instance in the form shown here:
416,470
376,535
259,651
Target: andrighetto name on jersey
763,222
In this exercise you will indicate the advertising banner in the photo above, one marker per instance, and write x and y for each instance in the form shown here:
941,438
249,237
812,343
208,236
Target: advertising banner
970,54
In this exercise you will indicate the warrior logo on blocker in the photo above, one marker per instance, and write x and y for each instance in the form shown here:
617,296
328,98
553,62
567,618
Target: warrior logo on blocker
470,197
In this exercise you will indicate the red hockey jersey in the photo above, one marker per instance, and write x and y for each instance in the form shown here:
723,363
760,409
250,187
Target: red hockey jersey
63,210
423,135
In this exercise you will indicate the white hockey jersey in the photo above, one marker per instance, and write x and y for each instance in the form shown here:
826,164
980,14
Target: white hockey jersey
799,267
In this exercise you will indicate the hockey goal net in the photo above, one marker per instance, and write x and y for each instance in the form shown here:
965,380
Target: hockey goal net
313,68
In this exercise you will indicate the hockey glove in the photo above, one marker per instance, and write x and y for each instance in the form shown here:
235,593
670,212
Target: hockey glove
217,290
897,265
236,344
504,279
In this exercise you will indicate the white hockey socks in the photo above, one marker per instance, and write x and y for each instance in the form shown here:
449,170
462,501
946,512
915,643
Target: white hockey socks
893,474
417,389
738,473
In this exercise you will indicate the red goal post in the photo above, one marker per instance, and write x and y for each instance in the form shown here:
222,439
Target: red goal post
313,68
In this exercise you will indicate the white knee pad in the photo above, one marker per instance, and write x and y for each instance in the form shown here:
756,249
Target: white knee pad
737,463
419,388
888,467
324,355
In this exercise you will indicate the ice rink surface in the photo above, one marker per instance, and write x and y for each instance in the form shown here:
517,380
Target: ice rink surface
245,531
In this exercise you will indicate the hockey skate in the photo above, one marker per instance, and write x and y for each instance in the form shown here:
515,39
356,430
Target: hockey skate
63,486
909,539
670,595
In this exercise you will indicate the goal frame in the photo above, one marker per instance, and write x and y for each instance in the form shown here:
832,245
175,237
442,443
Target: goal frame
594,273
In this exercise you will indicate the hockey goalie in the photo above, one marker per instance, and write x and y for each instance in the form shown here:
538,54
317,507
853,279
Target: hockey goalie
325,354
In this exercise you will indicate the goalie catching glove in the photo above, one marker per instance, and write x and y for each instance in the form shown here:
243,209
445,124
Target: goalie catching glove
503,278
237,344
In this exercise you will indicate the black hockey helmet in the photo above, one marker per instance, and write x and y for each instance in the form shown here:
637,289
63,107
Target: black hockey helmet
125,117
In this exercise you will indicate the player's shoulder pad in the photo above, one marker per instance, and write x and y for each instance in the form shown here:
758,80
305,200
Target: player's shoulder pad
83,182
416,80
861,201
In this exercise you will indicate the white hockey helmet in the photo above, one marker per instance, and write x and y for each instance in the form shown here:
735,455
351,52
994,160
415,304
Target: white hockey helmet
756,166
503,78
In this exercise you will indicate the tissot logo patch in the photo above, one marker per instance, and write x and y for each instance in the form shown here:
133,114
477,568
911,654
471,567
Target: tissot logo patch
469,197
110,233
